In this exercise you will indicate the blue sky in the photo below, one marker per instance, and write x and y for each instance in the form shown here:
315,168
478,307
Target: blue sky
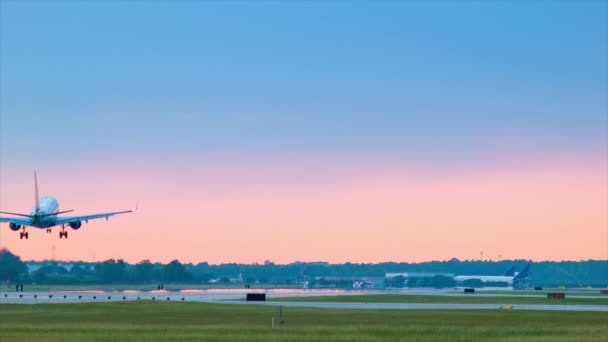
430,81
449,126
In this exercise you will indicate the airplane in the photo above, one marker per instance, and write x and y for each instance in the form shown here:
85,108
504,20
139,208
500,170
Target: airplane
510,277
510,272
45,214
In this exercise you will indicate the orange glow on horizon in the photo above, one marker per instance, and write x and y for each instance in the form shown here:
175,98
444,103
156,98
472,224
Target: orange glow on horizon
539,211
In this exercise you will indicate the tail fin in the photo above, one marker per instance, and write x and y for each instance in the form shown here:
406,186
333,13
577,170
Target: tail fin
525,273
36,189
510,272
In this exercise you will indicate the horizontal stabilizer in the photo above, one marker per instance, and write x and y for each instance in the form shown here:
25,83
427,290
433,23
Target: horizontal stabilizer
15,214
32,216
57,213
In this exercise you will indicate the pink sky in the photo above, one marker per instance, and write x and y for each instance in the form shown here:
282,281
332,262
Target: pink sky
355,211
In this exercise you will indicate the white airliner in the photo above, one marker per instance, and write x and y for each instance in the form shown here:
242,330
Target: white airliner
511,277
45,214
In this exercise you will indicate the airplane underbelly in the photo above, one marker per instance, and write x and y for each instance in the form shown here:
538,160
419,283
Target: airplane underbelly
44,224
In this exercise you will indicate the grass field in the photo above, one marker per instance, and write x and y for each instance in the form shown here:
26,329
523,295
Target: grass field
470,299
151,321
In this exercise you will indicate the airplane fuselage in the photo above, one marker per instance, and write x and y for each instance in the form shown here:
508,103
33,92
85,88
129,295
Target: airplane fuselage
48,205
44,216
485,278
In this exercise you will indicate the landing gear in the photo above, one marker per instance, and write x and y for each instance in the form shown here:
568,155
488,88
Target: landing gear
23,235
48,230
63,233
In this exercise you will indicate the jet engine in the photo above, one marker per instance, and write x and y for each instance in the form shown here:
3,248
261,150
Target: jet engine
14,226
75,224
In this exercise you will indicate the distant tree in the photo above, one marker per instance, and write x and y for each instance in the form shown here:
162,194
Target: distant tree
175,272
11,266
111,270
144,271
205,277
40,275
80,270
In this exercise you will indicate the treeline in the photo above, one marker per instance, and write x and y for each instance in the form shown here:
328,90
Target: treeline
549,273
109,271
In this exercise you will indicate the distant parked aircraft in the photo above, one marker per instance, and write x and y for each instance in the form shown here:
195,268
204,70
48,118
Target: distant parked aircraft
44,215
510,276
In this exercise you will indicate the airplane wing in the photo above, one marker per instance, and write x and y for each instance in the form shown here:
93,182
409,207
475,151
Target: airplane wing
18,221
68,219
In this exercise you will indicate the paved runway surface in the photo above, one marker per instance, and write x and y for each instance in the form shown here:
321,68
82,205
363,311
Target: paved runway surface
426,306
208,295
232,296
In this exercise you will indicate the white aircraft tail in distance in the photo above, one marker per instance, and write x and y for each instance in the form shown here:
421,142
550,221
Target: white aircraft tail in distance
510,277
45,215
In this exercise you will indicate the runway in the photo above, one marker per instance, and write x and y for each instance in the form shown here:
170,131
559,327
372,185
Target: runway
236,296
507,295
425,306
189,295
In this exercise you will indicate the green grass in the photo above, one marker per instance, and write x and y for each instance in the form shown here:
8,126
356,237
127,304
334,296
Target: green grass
470,299
152,321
